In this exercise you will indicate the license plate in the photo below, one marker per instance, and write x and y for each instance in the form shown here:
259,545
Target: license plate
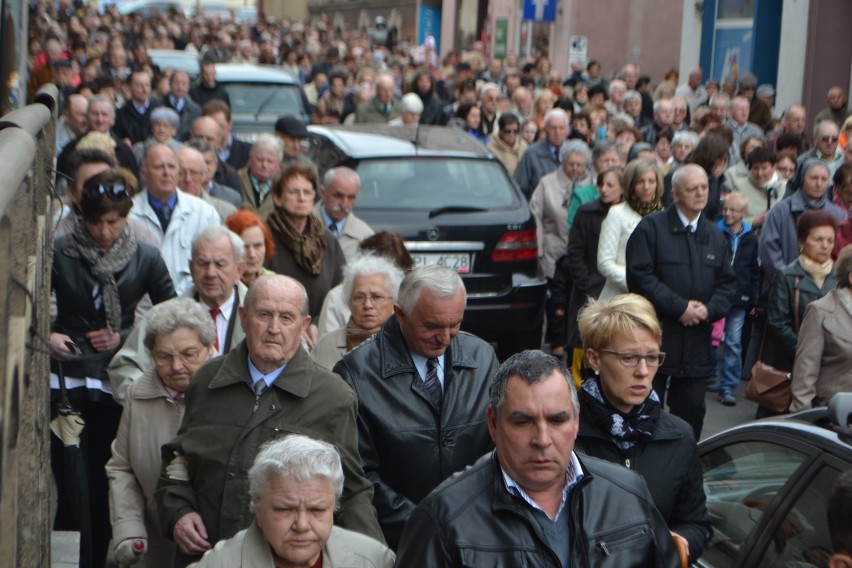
454,261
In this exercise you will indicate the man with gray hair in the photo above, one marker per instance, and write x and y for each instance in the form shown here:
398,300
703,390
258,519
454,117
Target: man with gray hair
534,499
193,177
339,192
261,172
73,121
383,107
179,101
422,393
266,388
543,157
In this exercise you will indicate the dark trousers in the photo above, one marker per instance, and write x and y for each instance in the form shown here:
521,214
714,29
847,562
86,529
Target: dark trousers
685,397
87,475
556,330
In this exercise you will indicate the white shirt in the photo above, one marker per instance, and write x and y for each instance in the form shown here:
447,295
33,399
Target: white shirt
686,222
222,320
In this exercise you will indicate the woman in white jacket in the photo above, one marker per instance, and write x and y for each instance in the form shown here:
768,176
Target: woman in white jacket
643,189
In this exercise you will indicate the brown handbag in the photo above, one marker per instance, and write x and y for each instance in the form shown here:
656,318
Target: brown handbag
772,388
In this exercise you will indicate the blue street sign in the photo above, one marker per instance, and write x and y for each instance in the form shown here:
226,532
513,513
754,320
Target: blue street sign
540,10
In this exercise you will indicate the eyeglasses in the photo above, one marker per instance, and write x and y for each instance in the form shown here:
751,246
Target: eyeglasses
829,138
187,356
631,360
113,191
376,299
510,131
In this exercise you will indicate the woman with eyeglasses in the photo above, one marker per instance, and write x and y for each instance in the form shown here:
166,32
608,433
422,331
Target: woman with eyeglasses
621,419
304,248
371,284
100,272
179,335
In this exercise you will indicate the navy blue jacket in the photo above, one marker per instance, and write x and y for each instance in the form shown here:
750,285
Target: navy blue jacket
746,264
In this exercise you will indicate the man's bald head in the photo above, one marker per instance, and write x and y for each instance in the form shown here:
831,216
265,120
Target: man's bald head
208,129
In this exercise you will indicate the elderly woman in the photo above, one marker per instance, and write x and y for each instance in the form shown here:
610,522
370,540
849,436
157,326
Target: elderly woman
805,280
164,125
371,284
621,419
643,190
295,486
335,309
605,155
179,335
549,205
100,272
823,365
683,143
254,232
304,248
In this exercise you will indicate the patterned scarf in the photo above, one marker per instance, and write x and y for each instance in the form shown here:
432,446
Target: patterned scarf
626,430
644,207
308,248
103,265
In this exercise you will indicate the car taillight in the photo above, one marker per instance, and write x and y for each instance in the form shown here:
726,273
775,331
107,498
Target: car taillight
516,246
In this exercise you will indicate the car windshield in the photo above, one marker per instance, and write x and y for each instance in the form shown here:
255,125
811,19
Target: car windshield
433,184
264,98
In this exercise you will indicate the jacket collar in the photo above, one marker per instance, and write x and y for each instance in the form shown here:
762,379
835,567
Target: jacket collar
256,552
295,379
150,386
396,360
746,228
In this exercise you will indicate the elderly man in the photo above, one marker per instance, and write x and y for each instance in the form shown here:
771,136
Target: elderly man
292,132
193,177
826,136
435,380
663,119
264,165
740,127
489,98
681,263
232,150
210,185
508,145
206,129
542,157
616,90
216,268
522,103
207,88
265,388
179,101
73,121
679,108
133,120
793,122
693,90
837,111
633,108
339,192
534,500
172,216
382,108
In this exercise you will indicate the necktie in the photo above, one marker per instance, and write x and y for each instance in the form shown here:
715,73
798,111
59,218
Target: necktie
214,313
556,154
387,108
433,385
333,228
165,216
260,388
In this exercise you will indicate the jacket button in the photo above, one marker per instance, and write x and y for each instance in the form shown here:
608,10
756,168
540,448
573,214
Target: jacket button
446,441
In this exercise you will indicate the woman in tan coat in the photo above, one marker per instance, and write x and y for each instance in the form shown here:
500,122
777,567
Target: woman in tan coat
179,335
823,364
508,145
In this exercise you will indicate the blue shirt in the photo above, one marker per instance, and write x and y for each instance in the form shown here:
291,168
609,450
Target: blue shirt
420,364
328,222
156,204
257,376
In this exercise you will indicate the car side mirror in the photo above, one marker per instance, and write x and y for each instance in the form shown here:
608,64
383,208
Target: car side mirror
840,409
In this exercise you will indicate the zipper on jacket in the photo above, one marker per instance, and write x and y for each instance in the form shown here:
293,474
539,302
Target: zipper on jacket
610,547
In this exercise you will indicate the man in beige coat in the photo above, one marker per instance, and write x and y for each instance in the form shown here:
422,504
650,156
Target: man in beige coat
508,145
339,192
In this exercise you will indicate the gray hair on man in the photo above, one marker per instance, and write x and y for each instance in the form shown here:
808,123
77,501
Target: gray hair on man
575,146
268,141
298,458
532,366
682,172
632,96
442,282
212,233
171,315
824,125
372,265
97,99
331,174
554,114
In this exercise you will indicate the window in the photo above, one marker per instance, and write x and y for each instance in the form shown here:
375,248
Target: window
740,481
264,98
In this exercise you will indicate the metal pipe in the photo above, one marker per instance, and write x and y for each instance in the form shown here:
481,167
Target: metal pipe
18,150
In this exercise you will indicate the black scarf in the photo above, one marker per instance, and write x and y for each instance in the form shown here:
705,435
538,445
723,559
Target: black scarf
103,265
626,430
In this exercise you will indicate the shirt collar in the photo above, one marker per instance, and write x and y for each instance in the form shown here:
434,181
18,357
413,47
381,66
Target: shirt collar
228,307
686,223
141,108
420,363
573,475
327,221
156,204
256,375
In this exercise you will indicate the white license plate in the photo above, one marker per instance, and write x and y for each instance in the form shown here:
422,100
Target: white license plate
455,261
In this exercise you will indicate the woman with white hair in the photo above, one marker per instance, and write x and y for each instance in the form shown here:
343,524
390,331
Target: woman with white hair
410,109
179,335
371,284
164,125
295,486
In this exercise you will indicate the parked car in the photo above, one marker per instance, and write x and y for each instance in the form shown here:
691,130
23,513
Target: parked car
767,484
455,206
176,59
246,15
216,11
147,8
259,96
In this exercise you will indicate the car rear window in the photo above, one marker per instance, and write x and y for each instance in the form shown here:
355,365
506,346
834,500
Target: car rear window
264,98
429,183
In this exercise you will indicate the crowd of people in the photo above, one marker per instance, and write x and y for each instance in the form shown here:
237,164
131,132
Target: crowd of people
255,367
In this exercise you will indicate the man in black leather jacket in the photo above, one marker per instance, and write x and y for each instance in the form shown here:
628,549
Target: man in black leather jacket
533,502
408,440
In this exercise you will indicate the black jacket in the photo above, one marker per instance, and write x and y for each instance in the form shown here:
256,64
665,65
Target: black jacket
406,446
669,267
201,94
746,265
73,283
670,465
239,153
472,520
130,124
583,262
779,346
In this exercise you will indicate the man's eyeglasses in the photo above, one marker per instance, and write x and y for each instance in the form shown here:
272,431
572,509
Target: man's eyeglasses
113,191
631,360
829,138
